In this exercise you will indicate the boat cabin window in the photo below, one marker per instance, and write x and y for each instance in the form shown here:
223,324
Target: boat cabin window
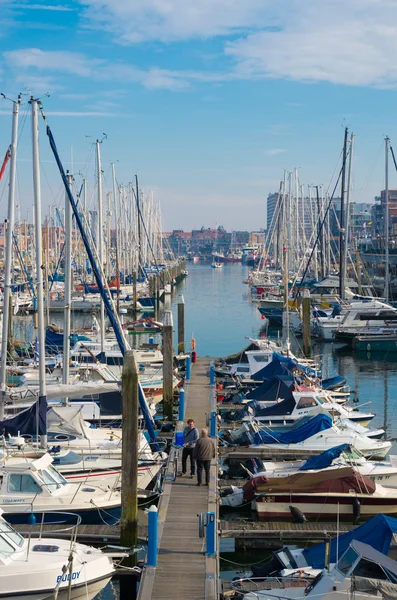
23,484
262,359
306,402
8,531
372,570
243,370
347,560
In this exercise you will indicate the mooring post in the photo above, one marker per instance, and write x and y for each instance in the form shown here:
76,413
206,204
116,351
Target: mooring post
181,325
129,470
152,537
168,388
187,368
212,373
213,424
181,416
210,538
306,332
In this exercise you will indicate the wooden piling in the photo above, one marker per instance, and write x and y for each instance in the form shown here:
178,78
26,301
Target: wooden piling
168,391
306,332
129,470
181,325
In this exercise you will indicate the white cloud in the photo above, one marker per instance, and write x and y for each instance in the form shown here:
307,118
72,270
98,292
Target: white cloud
168,20
275,151
351,43
50,7
33,60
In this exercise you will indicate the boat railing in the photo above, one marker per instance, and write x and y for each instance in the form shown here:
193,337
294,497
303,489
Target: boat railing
251,585
72,528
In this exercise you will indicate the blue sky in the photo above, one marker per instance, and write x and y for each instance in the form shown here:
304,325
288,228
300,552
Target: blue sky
207,101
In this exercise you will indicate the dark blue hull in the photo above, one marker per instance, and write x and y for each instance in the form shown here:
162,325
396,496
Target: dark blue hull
91,516
275,315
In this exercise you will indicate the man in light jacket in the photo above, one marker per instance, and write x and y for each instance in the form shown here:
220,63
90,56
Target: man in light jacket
204,452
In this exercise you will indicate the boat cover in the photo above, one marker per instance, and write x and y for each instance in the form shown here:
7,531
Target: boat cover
387,590
279,386
285,407
324,460
29,421
378,532
280,365
318,423
67,419
341,480
333,382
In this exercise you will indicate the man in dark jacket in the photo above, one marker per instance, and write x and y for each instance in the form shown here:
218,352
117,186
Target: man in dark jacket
204,452
190,437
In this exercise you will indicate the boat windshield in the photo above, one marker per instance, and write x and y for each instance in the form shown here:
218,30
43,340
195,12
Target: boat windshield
352,454
56,475
347,561
7,531
50,481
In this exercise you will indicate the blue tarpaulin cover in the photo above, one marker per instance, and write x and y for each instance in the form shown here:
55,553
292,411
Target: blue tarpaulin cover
294,436
280,365
324,460
274,388
378,533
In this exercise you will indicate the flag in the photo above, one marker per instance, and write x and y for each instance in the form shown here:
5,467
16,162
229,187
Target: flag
5,161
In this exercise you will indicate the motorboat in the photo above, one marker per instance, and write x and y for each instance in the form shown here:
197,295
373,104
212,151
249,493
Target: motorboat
321,494
362,573
39,569
340,457
302,401
356,317
316,435
292,561
31,487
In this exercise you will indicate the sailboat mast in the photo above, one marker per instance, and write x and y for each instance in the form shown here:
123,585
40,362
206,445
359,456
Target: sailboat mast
348,199
387,272
39,255
100,238
342,274
9,249
67,284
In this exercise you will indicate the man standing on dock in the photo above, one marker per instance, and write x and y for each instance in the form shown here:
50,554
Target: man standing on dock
204,452
190,437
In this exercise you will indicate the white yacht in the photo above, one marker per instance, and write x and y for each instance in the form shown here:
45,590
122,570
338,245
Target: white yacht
38,569
356,317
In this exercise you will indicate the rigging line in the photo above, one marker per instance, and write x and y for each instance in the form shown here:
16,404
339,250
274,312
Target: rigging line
322,223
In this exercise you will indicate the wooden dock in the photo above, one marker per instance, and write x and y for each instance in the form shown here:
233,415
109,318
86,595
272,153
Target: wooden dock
183,571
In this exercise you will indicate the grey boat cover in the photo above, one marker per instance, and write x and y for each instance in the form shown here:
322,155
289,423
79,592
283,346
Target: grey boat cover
375,586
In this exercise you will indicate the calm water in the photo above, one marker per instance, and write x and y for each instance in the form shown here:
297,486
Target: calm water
220,315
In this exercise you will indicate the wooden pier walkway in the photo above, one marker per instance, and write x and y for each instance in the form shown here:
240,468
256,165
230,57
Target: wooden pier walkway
183,571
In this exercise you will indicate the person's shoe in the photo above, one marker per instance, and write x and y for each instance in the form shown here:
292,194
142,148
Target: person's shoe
206,484
198,484
191,476
183,474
